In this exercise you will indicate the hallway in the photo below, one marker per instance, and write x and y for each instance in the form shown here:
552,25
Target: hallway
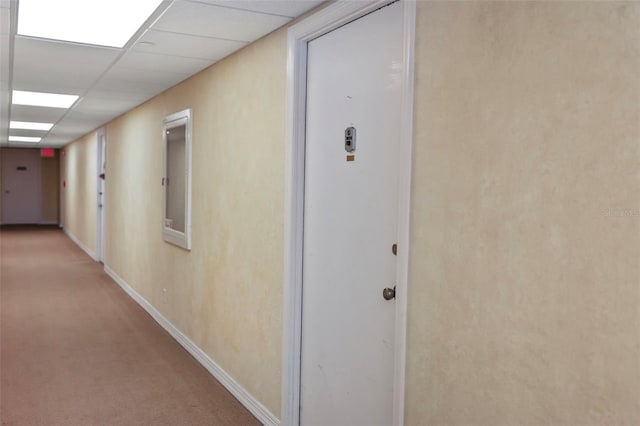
76,350
241,233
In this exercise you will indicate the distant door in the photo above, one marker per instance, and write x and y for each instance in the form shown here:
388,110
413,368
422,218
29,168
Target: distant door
63,187
20,186
102,169
351,202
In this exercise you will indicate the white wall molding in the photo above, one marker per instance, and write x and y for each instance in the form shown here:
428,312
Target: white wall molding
249,401
80,244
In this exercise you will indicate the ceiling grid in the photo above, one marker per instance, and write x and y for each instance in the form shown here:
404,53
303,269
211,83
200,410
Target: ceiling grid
178,40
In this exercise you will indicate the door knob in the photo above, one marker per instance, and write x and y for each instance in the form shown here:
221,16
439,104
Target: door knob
389,293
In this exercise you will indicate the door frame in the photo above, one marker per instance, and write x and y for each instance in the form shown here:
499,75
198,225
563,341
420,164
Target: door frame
101,137
299,35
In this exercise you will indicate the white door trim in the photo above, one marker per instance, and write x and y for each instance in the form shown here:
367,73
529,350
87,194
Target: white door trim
322,22
100,226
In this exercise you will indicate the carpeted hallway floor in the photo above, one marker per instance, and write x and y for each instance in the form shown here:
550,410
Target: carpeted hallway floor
76,350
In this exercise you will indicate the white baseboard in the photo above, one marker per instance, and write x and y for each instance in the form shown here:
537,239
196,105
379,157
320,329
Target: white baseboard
249,401
80,244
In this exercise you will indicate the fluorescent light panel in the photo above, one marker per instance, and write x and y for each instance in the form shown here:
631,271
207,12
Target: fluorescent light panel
105,23
29,139
53,100
30,125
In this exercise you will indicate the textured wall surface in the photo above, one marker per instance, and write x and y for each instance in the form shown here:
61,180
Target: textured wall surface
79,168
524,304
226,293
525,260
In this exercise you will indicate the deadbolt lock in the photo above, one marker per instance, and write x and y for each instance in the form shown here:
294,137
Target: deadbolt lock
350,139
389,293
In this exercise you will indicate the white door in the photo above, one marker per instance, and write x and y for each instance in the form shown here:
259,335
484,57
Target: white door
20,186
102,166
350,222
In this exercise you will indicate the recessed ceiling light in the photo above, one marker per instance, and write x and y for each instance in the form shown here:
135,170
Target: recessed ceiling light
53,100
29,125
29,139
105,23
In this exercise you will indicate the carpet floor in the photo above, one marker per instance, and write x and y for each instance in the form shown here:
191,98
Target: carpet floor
77,350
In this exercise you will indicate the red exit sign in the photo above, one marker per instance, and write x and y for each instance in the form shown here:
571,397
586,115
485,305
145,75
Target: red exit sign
47,152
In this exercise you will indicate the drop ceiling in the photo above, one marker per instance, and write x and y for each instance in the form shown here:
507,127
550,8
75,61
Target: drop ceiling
181,38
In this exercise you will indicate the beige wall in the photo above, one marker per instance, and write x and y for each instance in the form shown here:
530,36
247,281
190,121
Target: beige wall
226,293
525,297
78,168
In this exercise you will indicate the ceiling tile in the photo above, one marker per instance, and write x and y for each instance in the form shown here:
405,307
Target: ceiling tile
190,36
5,43
112,94
39,114
289,8
47,86
175,64
36,145
139,81
95,118
45,63
54,141
220,22
5,64
106,107
5,68
5,19
23,132
75,126
4,112
187,45
146,90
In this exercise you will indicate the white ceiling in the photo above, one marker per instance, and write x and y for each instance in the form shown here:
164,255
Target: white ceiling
181,38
